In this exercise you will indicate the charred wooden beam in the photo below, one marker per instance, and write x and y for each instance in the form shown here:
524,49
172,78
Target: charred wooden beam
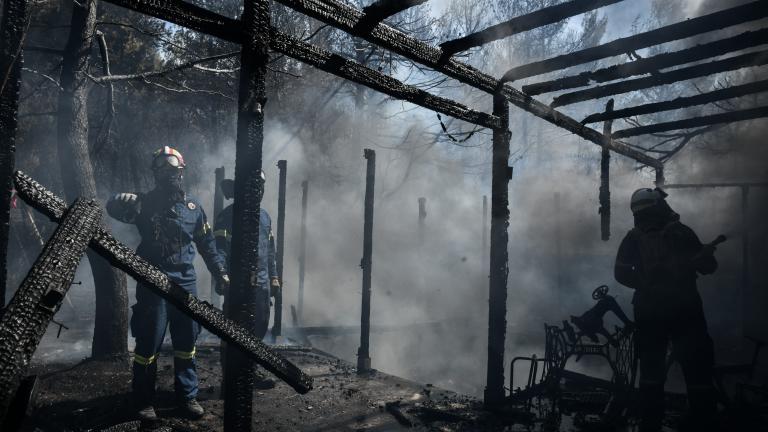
652,64
15,20
523,23
124,258
757,58
364,353
501,174
681,102
302,249
345,17
39,297
380,10
355,72
282,166
239,371
604,195
733,116
714,21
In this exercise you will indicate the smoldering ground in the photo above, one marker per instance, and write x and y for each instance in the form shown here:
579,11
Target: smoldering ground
443,279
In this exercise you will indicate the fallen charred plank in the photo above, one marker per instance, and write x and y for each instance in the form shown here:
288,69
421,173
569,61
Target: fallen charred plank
652,64
733,116
539,18
204,313
39,297
681,102
758,58
714,21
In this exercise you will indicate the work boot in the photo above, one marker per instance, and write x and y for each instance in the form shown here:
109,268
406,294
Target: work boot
147,414
192,409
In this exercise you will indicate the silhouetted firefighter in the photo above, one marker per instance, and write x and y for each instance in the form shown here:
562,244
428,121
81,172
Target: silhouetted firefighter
267,282
169,222
660,258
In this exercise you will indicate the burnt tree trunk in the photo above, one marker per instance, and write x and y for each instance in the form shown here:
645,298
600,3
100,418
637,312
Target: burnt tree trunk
15,16
111,321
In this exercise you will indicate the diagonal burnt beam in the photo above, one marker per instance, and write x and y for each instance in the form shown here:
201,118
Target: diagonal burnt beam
124,258
681,102
380,10
345,17
752,59
714,21
39,297
652,64
230,29
523,23
728,117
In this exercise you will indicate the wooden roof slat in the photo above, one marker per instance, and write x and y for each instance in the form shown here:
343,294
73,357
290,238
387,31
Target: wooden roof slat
691,27
652,64
752,59
681,102
523,23
727,117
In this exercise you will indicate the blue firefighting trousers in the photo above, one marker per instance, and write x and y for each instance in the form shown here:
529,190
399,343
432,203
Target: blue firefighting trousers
151,317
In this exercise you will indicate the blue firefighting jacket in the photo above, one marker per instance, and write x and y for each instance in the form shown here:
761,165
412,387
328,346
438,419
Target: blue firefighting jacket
169,231
223,233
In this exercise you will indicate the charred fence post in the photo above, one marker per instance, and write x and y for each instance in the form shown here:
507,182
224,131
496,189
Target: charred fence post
499,265
422,219
277,328
745,280
302,249
249,187
218,206
660,176
40,296
15,17
485,228
605,185
363,353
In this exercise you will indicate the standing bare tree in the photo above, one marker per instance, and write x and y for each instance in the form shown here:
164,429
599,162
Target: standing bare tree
111,322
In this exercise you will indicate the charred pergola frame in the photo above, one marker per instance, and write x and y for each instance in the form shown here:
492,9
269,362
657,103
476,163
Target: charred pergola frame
256,36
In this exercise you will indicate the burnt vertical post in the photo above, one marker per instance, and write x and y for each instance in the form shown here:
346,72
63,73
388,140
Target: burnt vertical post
660,175
558,244
605,185
249,188
282,166
218,206
422,219
499,265
363,353
485,225
12,31
744,247
302,249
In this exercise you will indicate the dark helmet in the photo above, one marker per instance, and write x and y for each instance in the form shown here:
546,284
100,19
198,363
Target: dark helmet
645,198
228,186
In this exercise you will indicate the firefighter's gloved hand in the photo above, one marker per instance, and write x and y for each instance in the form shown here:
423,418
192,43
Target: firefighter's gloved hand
274,287
222,284
124,207
127,198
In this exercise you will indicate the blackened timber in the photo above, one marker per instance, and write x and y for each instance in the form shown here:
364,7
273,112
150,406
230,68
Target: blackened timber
652,64
523,23
501,174
124,258
604,195
363,353
383,9
344,17
39,297
360,74
302,248
15,19
239,371
752,59
282,166
714,21
681,102
708,120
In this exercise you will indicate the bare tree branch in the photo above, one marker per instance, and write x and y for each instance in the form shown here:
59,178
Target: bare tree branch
162,72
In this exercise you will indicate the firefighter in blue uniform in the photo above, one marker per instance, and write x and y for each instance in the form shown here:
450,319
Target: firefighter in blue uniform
267,283
170,223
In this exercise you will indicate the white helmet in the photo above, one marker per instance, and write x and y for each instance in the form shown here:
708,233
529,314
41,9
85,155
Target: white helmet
645,198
